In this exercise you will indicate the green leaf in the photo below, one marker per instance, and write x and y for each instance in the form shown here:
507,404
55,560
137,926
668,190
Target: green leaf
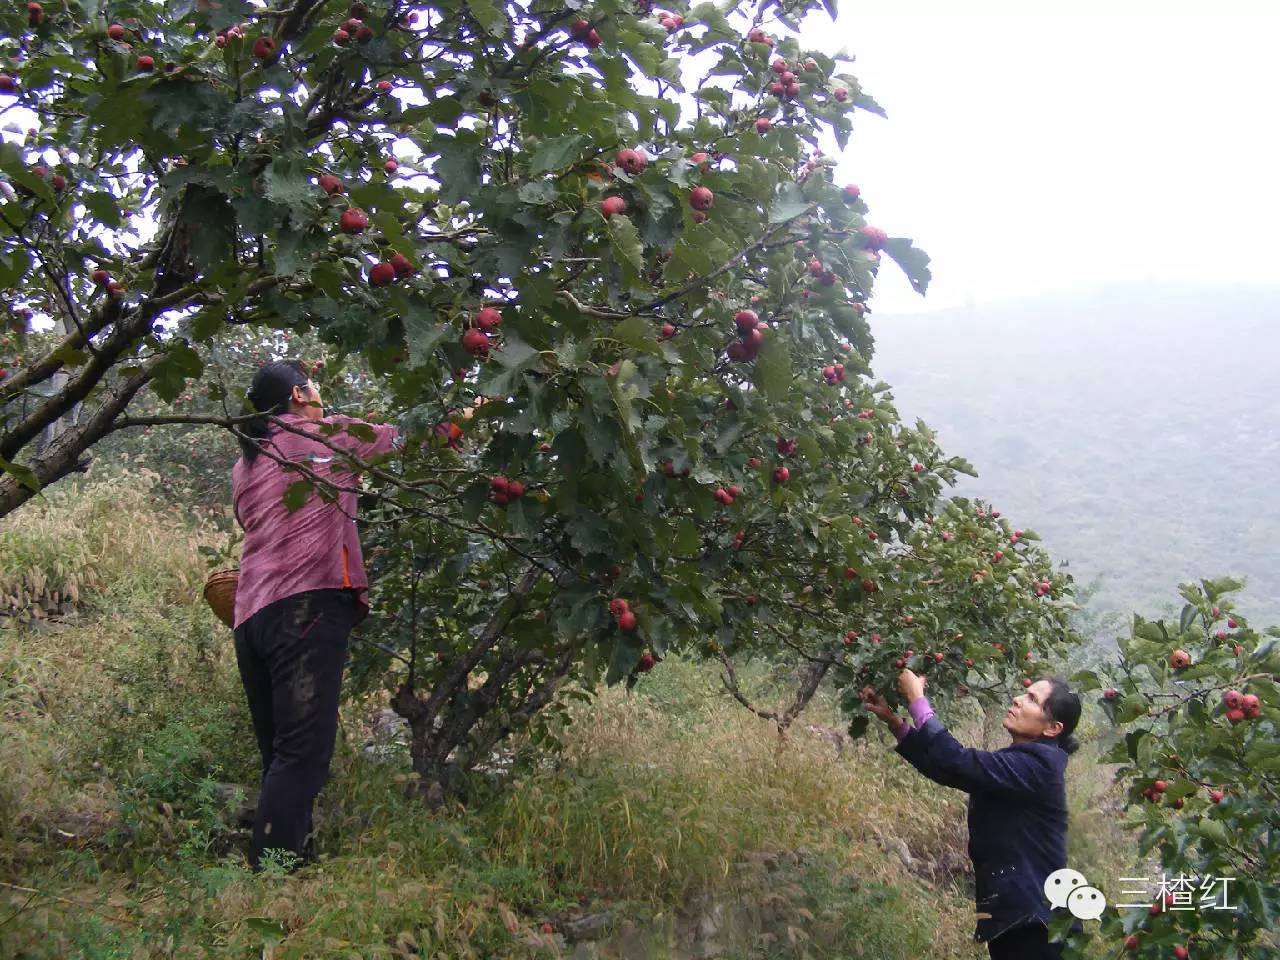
789,204
626,243
25,475
556,153
489,15
297,494
271,931
102,207
773,367
913,261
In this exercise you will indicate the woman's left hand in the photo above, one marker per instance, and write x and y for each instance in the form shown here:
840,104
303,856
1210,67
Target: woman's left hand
910,685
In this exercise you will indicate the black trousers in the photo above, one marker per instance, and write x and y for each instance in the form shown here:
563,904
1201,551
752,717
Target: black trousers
291,654
1025,943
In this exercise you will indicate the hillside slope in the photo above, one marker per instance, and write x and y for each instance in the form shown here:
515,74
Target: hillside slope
1136,429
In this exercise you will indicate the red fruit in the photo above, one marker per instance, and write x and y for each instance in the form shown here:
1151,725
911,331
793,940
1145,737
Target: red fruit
701,198
8,84
618,606
815,267
873,238
1235,715
352,25
146,64
779,66
632,161
100,277
1220,635
777,88
900,663
116,32
1215,796
592,39
1180,952
403,265
35,14
668,331
850,573
1231,622
221,41
263,48
1131,942
476,342
391,165
646,663
515,489
841,94
1179,803
1159,786
1026,681
917,468
1233,699
1179,659
869,586
548,928
698,216
487,318
340,37
1109,694
753,462
330,184
762,125
968,662
580,29
851,193
353,220
702,160
938,658
58,181
627,621
781,475
611,205
381,274
793,89
746,320
1250,703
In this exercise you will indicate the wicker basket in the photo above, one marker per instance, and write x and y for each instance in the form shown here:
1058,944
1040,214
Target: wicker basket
220,593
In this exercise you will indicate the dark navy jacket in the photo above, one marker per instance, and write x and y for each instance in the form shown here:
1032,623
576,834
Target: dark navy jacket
1017,819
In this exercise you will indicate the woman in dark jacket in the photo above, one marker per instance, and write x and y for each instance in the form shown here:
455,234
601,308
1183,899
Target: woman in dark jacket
1017,804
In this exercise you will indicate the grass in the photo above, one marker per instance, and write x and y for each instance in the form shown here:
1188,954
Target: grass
114,842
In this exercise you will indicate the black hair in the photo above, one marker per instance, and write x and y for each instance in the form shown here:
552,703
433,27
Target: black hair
269,393
1063,704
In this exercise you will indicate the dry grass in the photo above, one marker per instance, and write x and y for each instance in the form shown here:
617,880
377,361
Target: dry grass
109,730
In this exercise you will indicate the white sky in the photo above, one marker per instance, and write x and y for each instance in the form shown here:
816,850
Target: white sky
1028,152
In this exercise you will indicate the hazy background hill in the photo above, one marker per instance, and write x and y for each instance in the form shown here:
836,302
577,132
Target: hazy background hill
1136,428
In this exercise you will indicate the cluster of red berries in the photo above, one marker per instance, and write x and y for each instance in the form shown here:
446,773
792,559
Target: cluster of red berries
476,339
671,22
1043,587
397,268
833,374
727,495
583,32
450,433
751,331
502,491
622,614
1240,706
354,26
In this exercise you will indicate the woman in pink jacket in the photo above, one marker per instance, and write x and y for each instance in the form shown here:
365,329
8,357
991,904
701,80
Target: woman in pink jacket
302,589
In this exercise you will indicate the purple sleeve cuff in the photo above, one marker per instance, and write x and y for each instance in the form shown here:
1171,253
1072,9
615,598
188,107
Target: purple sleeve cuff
920,710
903,729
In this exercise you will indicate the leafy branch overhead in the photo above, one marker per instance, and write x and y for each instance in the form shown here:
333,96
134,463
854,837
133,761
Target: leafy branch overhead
592,260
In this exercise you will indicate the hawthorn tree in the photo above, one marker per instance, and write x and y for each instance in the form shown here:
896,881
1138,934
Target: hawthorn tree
596,264
1196,701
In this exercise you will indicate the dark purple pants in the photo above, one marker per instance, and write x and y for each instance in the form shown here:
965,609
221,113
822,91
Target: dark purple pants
291,654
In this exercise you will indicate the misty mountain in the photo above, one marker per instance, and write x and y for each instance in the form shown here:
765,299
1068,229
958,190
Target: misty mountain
1137,429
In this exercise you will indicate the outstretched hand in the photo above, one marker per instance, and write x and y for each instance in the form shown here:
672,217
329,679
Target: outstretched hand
877,704
911,685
